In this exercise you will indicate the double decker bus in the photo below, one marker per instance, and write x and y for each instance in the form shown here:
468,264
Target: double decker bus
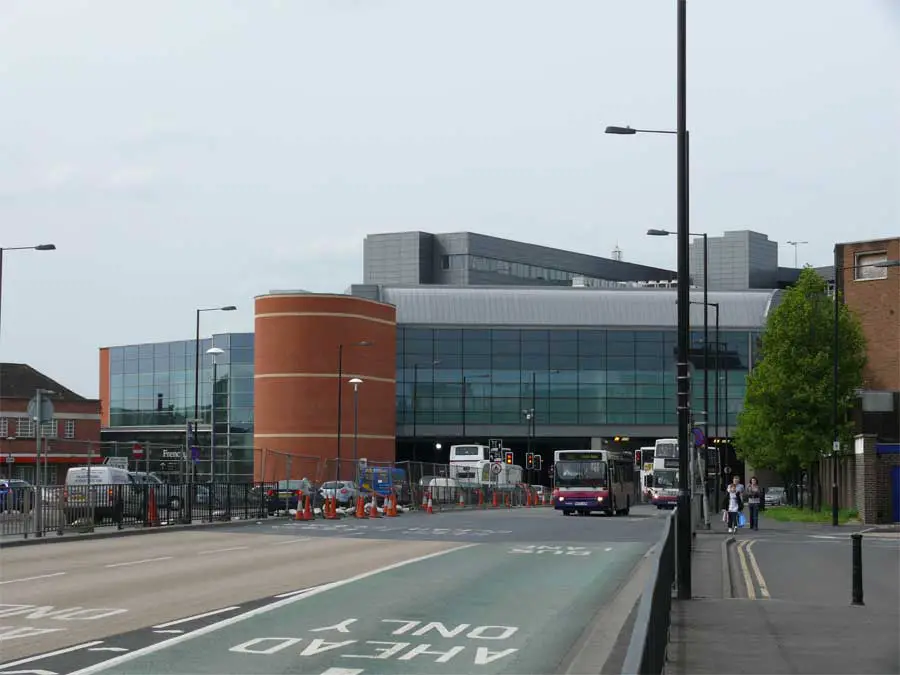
663,487
585,481
471,467
646,469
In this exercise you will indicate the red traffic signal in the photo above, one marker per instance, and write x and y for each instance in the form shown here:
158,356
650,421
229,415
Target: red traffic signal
509,457
529,460
637,457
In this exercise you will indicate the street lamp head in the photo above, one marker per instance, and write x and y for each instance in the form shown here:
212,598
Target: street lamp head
623,131
355,381
887,263
363,343
658,233
228,308
437,446
215,351
45,247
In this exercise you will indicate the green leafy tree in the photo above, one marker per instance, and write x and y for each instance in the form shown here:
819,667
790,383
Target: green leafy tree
786,423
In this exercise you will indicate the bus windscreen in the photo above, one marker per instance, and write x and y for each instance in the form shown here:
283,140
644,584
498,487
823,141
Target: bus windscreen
666,451
580,474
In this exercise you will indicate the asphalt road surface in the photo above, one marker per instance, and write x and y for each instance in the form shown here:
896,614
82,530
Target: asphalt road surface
522,591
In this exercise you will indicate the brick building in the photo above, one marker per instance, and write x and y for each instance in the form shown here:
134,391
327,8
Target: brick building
74,430
867,274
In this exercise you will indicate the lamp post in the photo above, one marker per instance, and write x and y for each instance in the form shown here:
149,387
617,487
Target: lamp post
340,398
213,352
39,247
226,308
355,381
796,245
835,365
683,530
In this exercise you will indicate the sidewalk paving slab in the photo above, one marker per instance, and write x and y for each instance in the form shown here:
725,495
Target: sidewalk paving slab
714,633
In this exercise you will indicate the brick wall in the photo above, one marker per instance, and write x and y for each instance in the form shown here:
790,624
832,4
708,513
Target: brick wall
866,477
883,487
877,304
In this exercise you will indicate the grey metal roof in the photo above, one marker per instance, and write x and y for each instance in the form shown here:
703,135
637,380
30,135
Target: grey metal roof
548,306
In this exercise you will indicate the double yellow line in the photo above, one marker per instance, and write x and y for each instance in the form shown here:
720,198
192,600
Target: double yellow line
745,554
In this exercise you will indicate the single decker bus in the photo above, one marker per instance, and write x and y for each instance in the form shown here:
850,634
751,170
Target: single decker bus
586,481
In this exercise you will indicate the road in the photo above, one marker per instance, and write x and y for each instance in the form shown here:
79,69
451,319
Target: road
450,593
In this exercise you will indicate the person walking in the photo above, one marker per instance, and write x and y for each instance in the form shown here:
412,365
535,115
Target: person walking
733,506
754,495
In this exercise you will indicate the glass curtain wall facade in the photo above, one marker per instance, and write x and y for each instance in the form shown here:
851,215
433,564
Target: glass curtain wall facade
574,377
152,385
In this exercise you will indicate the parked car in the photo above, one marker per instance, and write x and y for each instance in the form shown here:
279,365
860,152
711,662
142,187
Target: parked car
344,491
287,494
775,496
16,495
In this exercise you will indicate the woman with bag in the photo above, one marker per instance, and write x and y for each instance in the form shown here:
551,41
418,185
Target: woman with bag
754,497
733,507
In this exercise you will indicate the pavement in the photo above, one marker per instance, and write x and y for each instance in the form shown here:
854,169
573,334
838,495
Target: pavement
505,591
778,600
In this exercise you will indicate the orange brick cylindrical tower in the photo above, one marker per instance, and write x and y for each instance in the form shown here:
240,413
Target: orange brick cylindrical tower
298,339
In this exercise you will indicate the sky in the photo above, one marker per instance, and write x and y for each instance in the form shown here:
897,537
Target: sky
184,154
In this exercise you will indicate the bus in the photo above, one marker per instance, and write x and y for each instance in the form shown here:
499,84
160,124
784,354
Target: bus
470,467
592,480
663,488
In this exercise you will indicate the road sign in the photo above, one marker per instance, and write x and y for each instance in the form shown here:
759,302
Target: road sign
496,469
4,488
699,436
10,459
195,454
727,469
495,443
46,409
137,451
836,446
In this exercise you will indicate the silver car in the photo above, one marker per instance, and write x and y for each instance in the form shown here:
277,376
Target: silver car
775,496
344,491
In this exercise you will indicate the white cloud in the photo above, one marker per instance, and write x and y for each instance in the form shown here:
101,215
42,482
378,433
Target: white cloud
127,177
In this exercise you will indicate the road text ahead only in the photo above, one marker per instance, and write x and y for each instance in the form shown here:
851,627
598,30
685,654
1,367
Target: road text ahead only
48,616
473,609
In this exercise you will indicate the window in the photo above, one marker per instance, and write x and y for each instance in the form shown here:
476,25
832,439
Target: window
865,266
49,429
69,431
4,427
25,427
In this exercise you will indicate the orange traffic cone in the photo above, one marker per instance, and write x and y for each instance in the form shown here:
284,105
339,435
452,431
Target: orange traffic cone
480,499
462,498
508,501
527,497
390,506
331,509
428,507
300,513
307,510
152,511
360,507
494,500
373,509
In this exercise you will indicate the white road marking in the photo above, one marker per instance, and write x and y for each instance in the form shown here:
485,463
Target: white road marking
763,589
30,672
47,655
751,592
171,630
223,550
257,611
140,562
608,549
197,616
107,649
40,576
294,541
342,671
300,592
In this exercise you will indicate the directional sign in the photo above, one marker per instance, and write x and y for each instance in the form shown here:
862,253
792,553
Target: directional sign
699,436
496,468
4,488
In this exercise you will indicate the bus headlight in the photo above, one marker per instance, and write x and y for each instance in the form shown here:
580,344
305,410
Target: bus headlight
600,499
562,499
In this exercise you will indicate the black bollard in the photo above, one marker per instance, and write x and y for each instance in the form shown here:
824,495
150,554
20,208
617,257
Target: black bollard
856,538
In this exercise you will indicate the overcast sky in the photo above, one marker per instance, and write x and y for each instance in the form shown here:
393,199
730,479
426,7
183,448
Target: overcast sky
190,153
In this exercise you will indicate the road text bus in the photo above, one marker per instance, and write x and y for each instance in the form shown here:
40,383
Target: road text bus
585,481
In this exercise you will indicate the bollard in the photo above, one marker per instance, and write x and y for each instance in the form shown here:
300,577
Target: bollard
856,538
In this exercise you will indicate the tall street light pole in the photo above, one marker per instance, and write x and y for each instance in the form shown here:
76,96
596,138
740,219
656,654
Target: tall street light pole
835,366
355,381
226,308
340,398
39,247
796,245
213,352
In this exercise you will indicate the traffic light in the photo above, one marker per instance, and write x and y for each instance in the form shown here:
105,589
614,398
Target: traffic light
637,457
538,462
529,460
509,457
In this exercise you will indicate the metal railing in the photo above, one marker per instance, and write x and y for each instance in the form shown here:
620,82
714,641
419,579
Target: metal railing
646,653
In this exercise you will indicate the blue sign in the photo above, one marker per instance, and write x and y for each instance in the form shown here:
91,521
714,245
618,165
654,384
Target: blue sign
699,436
4,488
195,454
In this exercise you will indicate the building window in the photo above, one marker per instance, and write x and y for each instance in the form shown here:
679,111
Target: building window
69,431
49,429
25,427
4,428
865,266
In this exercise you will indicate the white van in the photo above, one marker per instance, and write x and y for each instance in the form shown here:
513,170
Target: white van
100,492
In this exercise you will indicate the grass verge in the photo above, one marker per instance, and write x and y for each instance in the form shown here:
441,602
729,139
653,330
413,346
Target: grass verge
792,514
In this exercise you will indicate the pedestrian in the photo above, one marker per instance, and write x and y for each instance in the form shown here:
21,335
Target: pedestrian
754,497
733,506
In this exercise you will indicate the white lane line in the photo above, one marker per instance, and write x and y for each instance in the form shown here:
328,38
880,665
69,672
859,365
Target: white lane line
47,655
223,550
196,616
342,671
295,541
174,631
108,649
139,562
257,611
608,549
40,576
300,592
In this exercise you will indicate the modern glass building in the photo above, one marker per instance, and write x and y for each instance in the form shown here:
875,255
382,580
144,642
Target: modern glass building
148,394
549,366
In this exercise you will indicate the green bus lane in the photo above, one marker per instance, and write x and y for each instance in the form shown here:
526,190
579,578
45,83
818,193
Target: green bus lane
490,608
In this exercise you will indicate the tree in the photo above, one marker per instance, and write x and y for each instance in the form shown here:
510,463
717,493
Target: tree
786,423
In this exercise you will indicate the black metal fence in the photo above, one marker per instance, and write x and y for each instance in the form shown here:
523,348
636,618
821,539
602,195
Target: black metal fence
650,637
58,509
